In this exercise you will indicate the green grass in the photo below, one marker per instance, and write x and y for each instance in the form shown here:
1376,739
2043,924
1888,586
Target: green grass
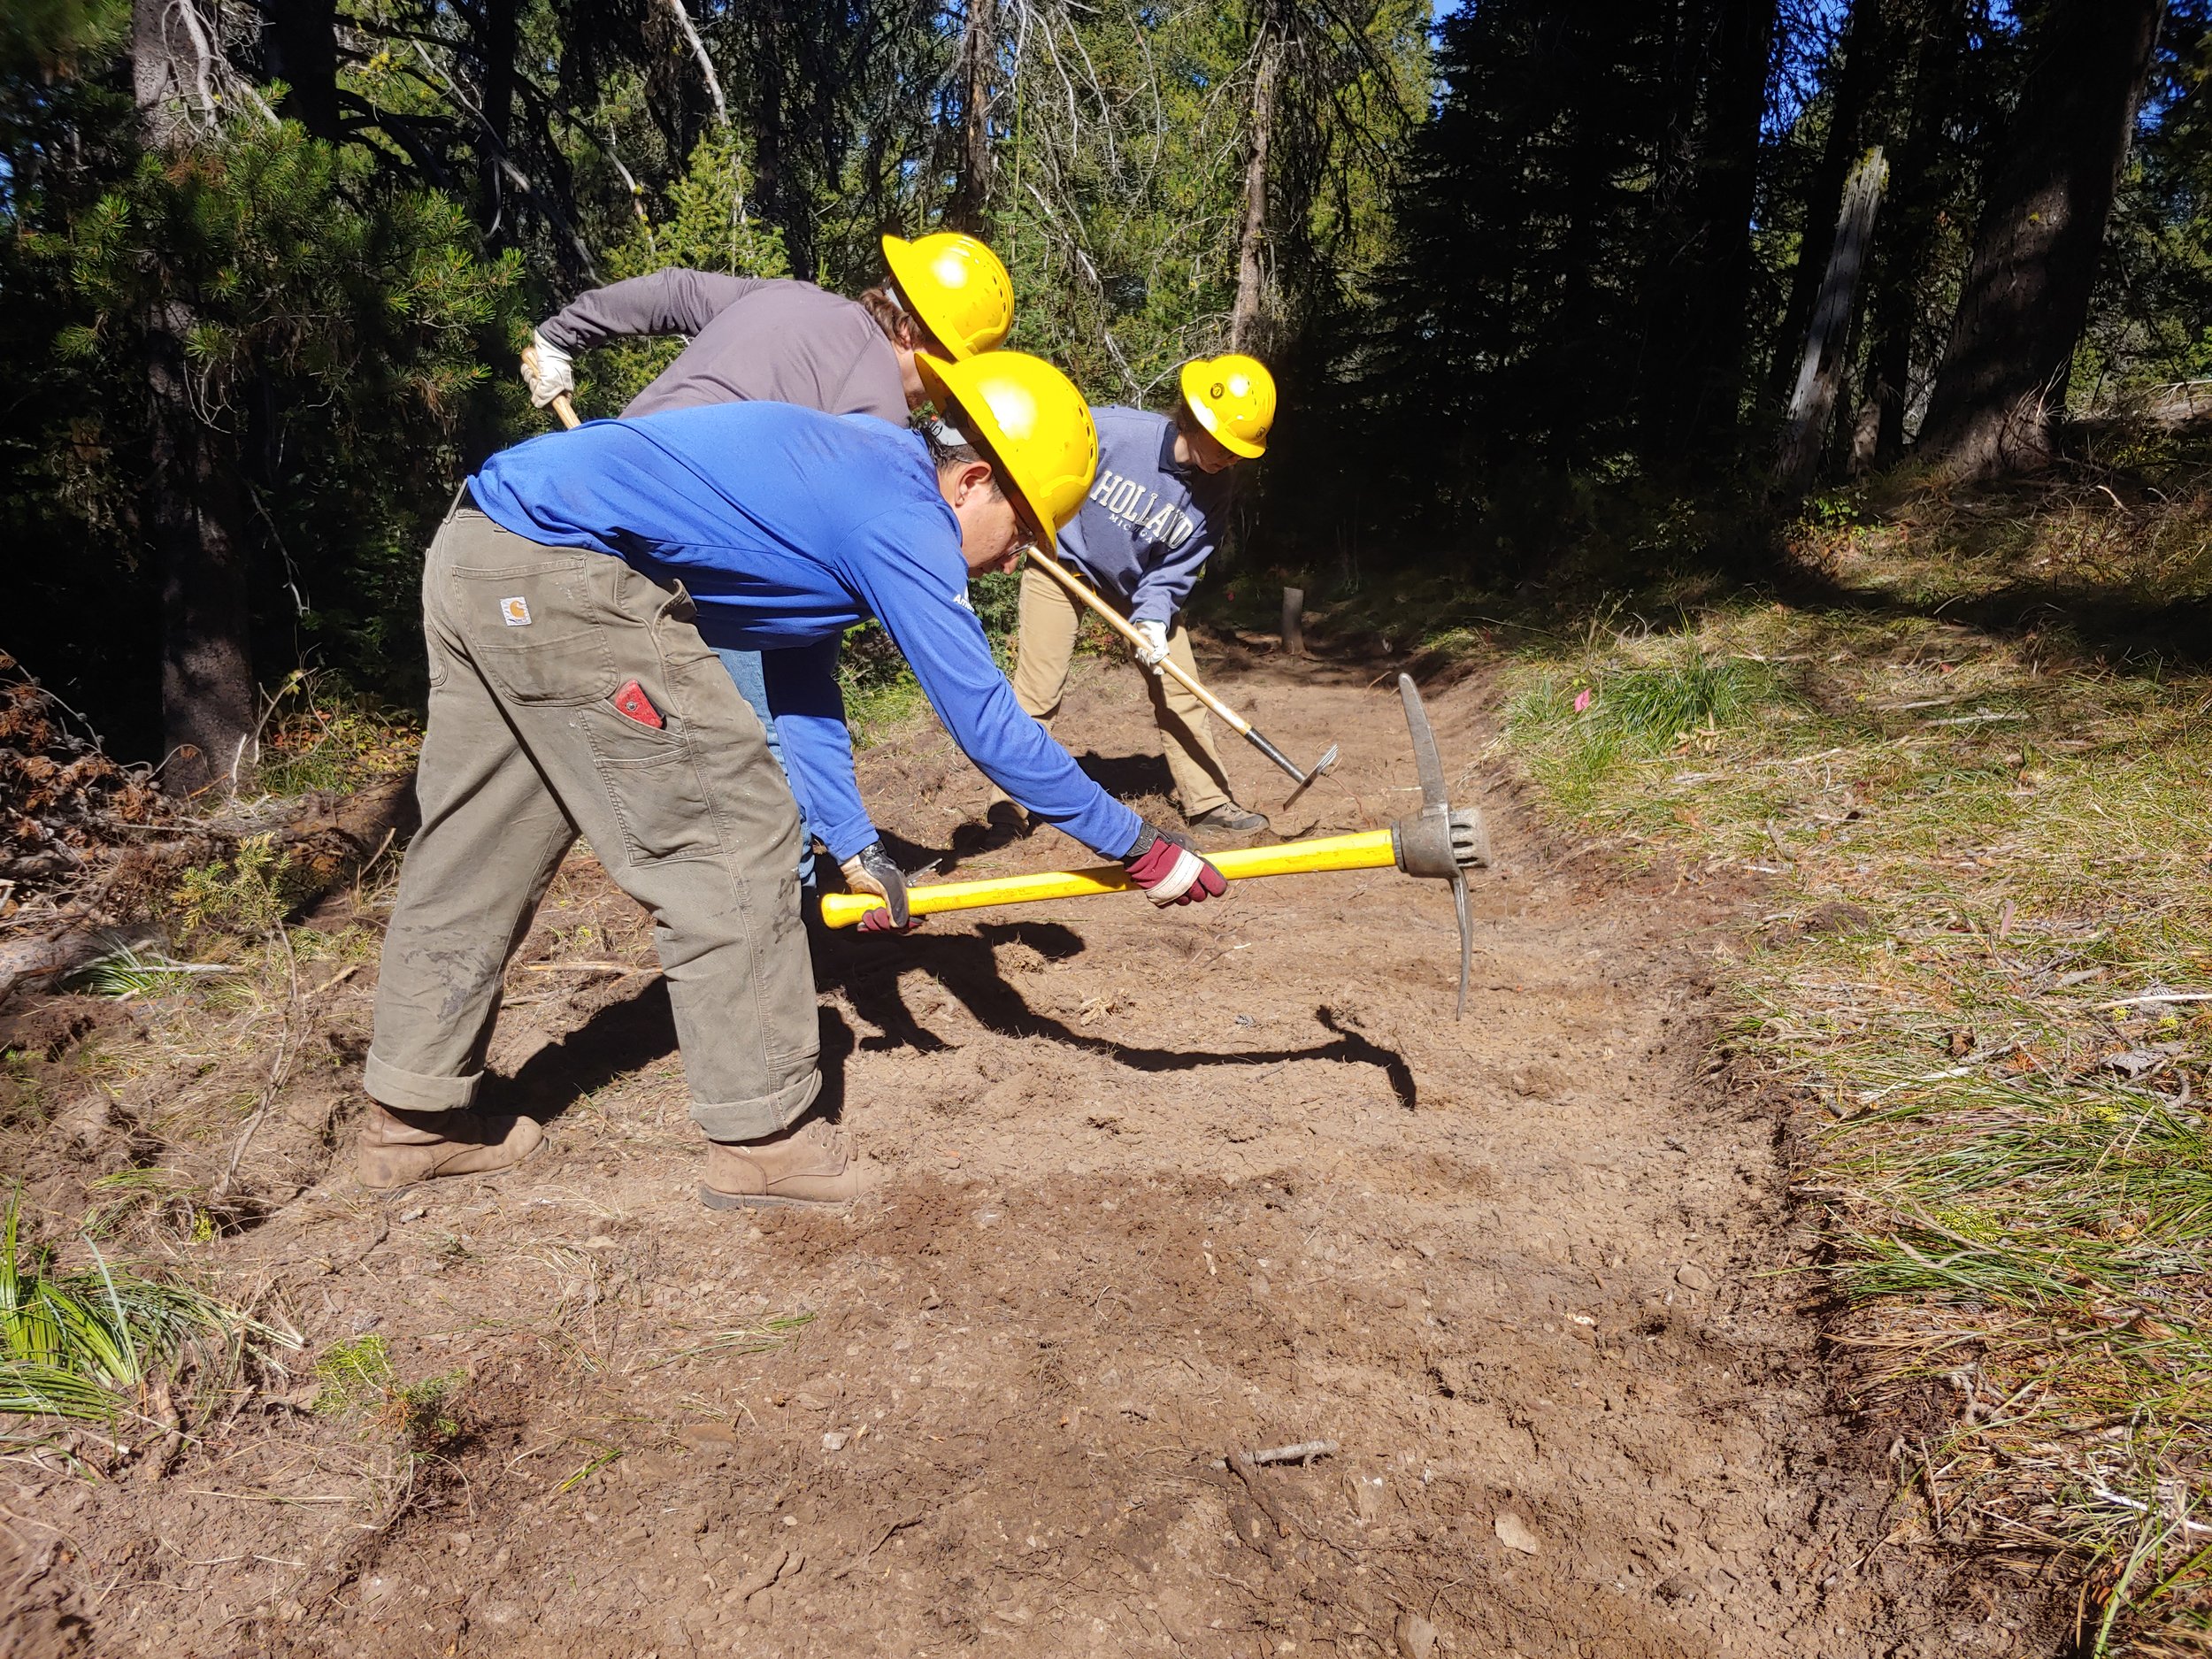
1988,857
70,1341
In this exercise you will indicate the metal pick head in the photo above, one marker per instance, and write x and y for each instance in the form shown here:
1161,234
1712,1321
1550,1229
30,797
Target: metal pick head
1425,759
1466,940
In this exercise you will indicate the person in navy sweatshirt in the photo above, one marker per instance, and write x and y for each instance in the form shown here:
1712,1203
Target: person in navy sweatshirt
571,609
1144,533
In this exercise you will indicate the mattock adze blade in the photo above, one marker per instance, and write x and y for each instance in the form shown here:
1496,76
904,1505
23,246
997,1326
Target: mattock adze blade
1425,758
1315,771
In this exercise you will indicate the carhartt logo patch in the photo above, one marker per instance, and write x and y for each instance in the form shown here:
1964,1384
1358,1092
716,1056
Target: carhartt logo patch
515,612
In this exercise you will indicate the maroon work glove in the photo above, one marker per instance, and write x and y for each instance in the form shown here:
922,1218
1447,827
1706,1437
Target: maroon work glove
1170,869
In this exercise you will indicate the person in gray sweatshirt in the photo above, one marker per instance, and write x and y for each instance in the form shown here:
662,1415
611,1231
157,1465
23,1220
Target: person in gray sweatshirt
772,340
1151,521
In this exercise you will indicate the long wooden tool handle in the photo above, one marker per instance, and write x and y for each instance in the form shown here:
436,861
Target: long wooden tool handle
566,410
1122,625
1369,851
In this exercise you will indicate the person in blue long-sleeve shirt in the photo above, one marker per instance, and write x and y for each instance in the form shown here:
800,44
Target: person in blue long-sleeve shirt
572,610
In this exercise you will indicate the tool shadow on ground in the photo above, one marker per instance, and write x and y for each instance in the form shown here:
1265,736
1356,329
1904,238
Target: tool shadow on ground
966,966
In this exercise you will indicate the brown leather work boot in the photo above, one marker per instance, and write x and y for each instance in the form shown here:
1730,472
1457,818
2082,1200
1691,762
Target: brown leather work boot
813,1167
399,1148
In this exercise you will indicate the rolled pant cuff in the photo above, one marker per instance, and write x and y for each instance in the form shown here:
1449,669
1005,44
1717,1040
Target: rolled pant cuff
753,1119
411,1092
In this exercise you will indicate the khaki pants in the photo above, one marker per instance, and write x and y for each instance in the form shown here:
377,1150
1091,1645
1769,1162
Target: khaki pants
1045,649
528,647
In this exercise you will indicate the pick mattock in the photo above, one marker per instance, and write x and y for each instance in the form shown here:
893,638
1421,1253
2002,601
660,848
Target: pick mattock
1437,842
562,407
1079,591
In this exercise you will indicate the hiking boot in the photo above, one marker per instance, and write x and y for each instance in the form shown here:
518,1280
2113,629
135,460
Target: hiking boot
1228,818
811,1167
1006,820
399,1148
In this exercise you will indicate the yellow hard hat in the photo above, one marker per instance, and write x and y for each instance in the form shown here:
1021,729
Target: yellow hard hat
957,288
1034,422
1234,398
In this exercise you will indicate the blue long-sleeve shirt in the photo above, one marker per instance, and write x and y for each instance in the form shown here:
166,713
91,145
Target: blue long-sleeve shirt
787,527
1148,525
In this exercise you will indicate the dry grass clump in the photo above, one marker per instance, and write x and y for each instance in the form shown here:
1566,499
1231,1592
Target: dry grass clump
1988,981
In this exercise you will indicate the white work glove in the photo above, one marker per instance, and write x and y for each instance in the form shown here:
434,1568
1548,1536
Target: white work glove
1153,652
547,370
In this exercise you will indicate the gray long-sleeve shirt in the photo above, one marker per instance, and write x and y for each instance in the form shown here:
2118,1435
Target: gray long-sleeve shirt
753,339
1148,525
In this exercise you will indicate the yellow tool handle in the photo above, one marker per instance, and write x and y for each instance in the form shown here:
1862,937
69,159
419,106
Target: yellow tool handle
1369,851
1121,625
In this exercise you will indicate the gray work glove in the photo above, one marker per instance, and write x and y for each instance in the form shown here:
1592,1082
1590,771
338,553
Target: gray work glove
547,370
870,870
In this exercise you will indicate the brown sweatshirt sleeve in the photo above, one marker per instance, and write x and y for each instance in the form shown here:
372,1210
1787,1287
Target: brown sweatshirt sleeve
671,302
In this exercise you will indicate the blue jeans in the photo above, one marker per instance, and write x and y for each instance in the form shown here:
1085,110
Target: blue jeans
744,668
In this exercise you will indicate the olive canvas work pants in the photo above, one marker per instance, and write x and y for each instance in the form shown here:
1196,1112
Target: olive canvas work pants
530,647
1044,655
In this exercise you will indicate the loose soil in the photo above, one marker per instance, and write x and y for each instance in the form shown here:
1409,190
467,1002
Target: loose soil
1155,1189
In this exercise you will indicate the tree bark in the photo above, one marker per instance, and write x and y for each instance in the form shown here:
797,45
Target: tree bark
2026,299
1820,371
301,42
1866,51
1696,402
189,502
970,208
1938,55
498,47
1249,320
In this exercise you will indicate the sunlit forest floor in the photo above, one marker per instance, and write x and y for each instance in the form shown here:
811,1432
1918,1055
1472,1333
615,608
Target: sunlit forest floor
1966,741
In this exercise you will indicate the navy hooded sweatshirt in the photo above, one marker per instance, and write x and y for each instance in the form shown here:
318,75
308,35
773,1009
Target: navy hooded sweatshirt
1148,525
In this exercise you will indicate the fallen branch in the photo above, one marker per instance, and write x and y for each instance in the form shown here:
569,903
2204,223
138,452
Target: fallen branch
1303,1452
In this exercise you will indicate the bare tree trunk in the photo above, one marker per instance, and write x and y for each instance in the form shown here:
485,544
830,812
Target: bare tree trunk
1866,51
2026,299
706,63
970,208
1248,321
1820,372
302,39
1693,398
190,500
1938,55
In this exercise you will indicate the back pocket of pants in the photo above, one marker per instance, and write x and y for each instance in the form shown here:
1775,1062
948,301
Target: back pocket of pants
535,630
653,790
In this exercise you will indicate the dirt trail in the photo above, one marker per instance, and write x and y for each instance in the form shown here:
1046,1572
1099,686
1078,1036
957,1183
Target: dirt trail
1156,1188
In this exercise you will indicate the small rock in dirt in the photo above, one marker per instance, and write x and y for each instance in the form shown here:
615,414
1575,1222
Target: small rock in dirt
1366,1493
87,1119
835,1441
414,1212
1416,1637
1260,1286
365,1320
1680,1587
1690,1276
1514,1534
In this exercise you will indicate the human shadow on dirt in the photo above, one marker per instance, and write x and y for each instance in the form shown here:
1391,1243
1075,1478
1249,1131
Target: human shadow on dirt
966,966
620,1038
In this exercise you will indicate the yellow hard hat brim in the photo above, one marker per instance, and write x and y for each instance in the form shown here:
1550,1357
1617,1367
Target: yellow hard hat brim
909,274
1016,488
1190,377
